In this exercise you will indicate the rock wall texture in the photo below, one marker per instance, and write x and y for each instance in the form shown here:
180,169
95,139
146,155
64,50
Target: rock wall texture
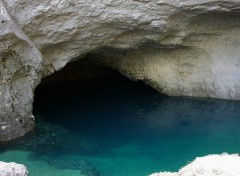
179,47
12,169
211,165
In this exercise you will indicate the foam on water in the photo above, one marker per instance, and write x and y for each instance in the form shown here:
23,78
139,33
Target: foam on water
121,128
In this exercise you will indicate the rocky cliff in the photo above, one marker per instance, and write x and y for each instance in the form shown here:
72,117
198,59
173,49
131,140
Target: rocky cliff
179,47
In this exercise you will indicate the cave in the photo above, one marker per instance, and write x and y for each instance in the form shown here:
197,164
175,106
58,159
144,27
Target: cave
120,88
92,119
87,93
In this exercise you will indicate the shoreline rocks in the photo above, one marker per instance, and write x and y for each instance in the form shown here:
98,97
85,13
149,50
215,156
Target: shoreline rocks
12,169
210,165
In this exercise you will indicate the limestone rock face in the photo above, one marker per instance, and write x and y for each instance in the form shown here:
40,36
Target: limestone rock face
211,165
179,47
20,65
12,169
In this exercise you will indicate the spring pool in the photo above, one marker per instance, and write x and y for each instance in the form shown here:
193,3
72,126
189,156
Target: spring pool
117,127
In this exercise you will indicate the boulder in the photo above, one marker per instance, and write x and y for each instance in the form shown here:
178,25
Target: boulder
12,169
210,165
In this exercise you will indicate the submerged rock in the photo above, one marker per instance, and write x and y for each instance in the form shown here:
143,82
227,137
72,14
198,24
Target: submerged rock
211,165
85,168
12,169
51,140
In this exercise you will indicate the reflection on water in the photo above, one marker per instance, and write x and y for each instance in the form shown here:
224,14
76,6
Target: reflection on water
121,128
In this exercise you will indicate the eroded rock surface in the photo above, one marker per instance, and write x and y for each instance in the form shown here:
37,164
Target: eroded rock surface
12,169
211,165
20,65
188,48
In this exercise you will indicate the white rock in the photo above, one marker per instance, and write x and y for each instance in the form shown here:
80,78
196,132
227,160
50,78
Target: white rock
211,165
158,24
12,169
3,127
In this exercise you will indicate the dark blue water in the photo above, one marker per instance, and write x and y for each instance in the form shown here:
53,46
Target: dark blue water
117,127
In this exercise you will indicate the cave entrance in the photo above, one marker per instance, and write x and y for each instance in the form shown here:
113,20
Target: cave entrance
97,122
86,94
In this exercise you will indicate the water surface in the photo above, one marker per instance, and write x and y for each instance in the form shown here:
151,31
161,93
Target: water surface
117,127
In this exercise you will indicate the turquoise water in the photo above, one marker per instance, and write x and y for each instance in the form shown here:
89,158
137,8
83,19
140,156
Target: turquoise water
117,127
